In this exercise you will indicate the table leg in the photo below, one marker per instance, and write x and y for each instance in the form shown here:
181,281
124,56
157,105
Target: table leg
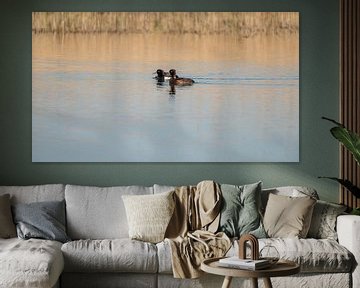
227,282
254,282
267,283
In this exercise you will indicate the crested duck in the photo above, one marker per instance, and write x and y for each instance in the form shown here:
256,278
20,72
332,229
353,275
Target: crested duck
175,80
162,75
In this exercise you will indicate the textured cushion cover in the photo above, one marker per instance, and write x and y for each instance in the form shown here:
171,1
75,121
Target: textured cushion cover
287,216
98,212
240,213
313,255
44,220
149,215
117,255
31,263
7,227
323,222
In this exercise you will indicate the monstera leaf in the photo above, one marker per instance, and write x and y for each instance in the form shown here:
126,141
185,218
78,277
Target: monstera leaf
348,138
351,141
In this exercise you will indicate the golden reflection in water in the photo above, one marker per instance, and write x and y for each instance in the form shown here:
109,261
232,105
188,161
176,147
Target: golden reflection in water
268,51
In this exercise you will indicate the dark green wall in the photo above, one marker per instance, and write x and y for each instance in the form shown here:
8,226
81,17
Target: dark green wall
319,74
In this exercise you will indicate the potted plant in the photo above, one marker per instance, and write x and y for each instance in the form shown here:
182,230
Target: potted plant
351,141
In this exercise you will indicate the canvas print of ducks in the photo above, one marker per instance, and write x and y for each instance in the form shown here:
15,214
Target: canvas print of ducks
134,87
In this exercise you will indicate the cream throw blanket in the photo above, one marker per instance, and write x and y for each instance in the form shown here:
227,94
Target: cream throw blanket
191,231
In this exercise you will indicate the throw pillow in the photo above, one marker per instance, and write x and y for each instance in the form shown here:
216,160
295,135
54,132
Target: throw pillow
287,217
323,222
149,215
7,227
240,213
44,220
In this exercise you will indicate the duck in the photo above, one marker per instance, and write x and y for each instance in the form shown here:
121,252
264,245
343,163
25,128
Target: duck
162,75
176,80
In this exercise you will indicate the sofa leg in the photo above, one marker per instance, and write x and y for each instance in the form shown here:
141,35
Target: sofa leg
227,282
254,282
267,282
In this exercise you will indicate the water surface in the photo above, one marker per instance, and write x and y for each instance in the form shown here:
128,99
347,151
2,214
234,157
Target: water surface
94,99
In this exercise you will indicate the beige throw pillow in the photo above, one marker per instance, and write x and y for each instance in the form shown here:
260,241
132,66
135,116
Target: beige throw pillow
288,217
7,226
149,215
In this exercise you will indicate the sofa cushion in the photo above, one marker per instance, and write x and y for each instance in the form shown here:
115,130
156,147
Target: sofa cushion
117,255
36,193
240,210
43,220
313,255
98,213
287,216
323,222
30,263
149,215
291,191
164,257
7,227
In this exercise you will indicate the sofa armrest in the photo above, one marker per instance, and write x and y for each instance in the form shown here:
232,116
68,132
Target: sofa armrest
348,230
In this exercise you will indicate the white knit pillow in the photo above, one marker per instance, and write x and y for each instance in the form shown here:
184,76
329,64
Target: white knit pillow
149,215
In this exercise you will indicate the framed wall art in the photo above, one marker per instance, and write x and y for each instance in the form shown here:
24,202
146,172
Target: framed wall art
165,87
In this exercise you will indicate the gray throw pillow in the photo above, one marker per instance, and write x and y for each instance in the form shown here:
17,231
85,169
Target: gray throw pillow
323,222
240,213
44,220
7,227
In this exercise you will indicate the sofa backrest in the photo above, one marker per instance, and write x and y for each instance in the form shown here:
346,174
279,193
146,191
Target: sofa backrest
163,188
98,212
36,193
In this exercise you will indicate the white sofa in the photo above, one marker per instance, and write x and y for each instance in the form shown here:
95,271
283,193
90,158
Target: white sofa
101,254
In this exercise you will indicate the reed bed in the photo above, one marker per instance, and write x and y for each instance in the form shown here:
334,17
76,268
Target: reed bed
241,23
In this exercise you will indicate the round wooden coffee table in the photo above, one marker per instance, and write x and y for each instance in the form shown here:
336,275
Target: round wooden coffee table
281,268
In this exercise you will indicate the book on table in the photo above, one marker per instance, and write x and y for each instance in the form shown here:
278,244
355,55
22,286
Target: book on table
249,264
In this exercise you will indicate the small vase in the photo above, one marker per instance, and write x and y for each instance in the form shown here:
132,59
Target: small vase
270,253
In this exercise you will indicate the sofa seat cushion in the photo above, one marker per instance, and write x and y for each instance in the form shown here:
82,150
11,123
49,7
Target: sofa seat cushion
115,255
30,263
313,255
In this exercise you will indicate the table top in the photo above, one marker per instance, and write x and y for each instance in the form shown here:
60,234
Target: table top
281,268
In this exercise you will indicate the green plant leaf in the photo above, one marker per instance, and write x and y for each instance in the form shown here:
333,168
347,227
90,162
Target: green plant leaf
347,184
355,211
333,121
348,138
